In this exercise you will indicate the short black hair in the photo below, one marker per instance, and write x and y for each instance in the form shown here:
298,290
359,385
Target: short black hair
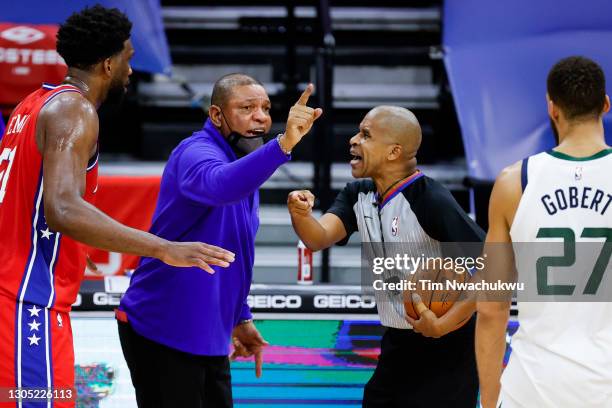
578,86
224,86
92,35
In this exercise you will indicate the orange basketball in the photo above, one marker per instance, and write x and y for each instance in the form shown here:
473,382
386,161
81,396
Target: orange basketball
437,300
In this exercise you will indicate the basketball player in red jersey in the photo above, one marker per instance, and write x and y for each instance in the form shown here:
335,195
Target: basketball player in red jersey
48,179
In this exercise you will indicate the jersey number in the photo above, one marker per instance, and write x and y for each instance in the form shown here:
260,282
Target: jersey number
7,154
569,258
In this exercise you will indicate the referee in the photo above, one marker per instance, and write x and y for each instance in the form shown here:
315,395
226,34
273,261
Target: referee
428,363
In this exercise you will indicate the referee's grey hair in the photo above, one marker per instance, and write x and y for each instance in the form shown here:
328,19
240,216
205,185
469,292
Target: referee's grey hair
225,85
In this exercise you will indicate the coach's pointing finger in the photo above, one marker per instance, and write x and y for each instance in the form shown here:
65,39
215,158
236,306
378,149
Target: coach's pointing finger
299,121
305,95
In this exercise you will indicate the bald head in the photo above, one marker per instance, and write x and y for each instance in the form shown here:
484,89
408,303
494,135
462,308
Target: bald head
399,125
222,91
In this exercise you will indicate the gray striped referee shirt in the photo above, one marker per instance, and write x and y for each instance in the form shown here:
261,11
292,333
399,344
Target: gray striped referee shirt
419,212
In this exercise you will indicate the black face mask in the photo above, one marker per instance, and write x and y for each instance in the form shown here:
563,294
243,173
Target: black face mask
241,144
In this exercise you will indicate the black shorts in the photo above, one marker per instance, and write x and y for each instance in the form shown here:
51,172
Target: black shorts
414,371
167,378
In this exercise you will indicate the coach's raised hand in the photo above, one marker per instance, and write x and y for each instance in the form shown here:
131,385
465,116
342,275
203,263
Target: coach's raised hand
300,120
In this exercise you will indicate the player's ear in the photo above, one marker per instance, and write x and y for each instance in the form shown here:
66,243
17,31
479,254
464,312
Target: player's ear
553,110
214,113
107,67
606,107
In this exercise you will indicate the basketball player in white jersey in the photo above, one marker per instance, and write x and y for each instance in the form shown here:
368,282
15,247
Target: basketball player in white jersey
562,351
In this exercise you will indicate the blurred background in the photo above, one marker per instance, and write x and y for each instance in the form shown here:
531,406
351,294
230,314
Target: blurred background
357,54
473,72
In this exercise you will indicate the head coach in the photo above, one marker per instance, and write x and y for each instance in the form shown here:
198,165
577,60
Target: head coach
175,325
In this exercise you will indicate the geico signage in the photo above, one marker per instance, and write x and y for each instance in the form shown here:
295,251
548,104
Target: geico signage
344,302
106,299
274,301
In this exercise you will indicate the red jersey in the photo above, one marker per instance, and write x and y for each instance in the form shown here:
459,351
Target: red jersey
37,265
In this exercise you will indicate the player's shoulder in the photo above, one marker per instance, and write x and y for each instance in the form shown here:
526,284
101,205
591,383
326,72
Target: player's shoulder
509,179
507,191
69,105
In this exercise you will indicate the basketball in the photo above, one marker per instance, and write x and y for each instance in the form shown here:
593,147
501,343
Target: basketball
435,291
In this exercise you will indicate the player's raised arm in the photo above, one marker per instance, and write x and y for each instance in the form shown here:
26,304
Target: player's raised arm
67,137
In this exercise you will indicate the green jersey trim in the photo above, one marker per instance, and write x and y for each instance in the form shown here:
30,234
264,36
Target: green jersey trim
564,156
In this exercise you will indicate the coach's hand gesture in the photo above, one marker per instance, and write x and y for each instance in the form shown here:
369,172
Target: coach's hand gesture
248,342
196,254
300,203
300,120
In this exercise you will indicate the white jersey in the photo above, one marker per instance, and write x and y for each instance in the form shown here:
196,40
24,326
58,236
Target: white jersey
562,352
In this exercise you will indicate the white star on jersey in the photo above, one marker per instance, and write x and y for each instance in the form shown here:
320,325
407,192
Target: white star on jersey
46,233
34,311
34,325
33,340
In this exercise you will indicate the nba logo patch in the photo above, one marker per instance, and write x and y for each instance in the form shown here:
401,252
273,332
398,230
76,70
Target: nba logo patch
578,174
395,226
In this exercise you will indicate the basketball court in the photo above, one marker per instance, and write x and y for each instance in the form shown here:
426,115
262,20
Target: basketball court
315,358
